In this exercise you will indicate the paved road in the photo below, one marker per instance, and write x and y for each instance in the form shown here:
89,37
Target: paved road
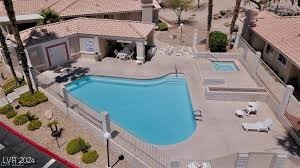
14,151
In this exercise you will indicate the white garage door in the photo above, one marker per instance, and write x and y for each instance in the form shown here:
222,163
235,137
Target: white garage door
57,54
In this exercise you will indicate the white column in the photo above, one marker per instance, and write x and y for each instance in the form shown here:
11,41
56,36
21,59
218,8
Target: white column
96,45
242,160
289,89
140,52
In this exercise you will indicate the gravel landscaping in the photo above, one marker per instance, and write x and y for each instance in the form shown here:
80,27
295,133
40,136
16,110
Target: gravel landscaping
71,130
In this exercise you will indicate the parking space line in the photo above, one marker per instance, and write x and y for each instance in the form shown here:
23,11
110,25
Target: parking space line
1,147
48,164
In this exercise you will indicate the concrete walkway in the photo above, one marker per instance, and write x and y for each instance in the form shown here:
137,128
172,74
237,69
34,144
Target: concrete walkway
220,133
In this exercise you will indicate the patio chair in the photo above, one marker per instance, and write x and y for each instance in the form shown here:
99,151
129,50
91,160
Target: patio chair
251,108
116,53
130,56
258,126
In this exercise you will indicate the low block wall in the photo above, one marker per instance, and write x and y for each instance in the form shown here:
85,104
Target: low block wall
213,81
236,94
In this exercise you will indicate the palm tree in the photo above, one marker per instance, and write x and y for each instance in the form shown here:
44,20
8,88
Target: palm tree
7,57
8,4
209,19
49,16
235,15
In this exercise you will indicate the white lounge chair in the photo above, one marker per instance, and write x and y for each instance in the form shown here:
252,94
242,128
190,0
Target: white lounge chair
251,108
116,53
258,126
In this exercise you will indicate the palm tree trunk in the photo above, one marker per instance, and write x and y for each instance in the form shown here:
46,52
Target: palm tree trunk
20,47
7,57
235,15
209,19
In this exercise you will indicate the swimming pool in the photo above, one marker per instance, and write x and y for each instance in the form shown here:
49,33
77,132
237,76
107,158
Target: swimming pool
158,111
224,66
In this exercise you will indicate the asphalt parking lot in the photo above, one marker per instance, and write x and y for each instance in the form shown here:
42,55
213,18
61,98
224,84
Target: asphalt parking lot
16,152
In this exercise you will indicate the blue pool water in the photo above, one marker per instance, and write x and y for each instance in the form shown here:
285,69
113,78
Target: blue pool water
158,111
224,66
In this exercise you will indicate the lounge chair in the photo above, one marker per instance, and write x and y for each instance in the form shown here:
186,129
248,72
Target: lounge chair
116,53
251,108
258,126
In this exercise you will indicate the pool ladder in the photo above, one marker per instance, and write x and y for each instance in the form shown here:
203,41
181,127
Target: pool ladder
176,70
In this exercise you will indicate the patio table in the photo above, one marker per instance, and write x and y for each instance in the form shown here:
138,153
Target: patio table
123,54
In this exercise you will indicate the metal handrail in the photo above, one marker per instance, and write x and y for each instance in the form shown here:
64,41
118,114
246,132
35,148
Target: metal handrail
176,70
208,54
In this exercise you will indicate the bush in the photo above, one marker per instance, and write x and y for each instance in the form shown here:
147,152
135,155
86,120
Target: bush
11,85
162,26
77,145
222,12
218,42
52,123
21,119
30,100
31,117
5,109
90,157
34,125
11,114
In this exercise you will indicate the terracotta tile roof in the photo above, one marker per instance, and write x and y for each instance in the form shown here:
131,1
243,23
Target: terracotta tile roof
90,26
282,33
27,7
75,7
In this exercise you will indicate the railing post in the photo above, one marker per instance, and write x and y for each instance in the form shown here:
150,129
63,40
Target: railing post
66,97
257,58
289,89
175,164
280,160
245,53
242,160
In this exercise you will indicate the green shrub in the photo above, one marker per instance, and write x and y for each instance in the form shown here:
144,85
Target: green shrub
52,123
90,157
5,109
222,12
11,85
30,100
34,125
162,26
21,119
77,145
11,114
218,42
31,117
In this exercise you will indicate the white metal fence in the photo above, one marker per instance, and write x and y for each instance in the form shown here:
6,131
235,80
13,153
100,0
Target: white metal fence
144,151
244,160
264,76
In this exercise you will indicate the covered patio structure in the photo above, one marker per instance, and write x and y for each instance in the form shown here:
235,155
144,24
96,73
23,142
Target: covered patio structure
54,44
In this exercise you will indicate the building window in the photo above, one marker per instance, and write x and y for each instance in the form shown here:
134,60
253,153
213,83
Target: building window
269,49
282,59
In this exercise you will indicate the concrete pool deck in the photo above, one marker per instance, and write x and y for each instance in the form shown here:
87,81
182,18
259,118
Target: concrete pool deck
220,133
